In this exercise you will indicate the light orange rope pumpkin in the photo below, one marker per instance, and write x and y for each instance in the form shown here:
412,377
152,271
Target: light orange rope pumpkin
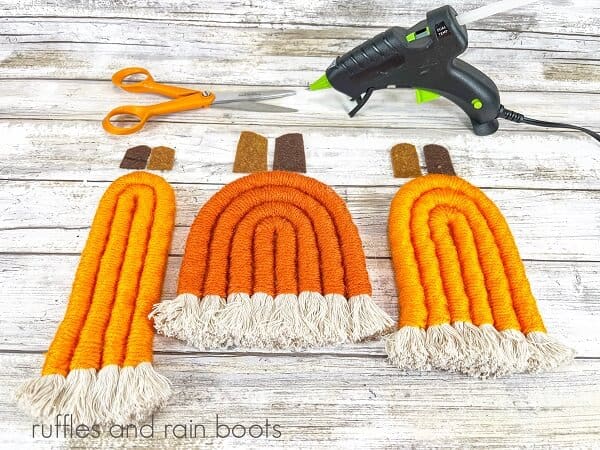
464,298
98,367
272,260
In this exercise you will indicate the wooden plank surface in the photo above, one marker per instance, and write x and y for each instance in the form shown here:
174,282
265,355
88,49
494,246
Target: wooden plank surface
559,16
394,108
56,59
56,47
563,290
54,217
81,150
338,402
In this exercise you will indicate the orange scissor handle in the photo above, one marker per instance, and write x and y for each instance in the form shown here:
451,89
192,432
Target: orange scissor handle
143,113
147,84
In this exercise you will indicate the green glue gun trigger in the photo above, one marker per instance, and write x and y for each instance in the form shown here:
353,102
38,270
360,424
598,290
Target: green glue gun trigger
423,57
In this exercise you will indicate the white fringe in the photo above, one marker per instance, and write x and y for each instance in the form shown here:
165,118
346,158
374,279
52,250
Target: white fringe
120,410
105,392
234,322
407,350
476,351
77,395
150,391
263,307
174,318
288,321
546,353
314,310
336,326
202,332
287,327
516,349
112,395
189,319
367,320
475,356
38,396
445,346
140,391
496,362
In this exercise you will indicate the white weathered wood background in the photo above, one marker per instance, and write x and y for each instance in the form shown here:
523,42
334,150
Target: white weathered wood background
56,60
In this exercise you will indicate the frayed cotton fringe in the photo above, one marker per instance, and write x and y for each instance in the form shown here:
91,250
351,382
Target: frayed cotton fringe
112,395
477,351
261,321
367,320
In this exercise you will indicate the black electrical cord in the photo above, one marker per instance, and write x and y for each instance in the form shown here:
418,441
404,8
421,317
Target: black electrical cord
520,118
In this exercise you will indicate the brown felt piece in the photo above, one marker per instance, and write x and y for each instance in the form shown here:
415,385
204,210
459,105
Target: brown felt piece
135,157
437,160
251,153
405,161
289,153
161,158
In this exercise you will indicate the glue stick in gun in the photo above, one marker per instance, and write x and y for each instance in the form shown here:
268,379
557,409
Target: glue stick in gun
425,57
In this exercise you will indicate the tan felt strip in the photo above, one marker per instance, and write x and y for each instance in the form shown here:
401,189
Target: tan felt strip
289,153
251,154
161,158
405,161
135,157
437,160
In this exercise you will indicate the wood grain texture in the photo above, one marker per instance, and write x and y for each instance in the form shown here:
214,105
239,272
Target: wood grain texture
56,48
393,108
81,150
349,402
54,217
572,17
43,282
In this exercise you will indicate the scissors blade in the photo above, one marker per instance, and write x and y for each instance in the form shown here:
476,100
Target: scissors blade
253,106
250,96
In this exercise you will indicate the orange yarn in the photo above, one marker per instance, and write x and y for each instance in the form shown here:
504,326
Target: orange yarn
273,260
118,279
294,221
455,259
274,222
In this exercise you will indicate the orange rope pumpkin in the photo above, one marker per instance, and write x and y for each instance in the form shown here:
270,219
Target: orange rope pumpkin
273,260
99,365
464,298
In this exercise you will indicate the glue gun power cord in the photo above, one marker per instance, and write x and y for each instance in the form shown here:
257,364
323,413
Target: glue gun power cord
520,118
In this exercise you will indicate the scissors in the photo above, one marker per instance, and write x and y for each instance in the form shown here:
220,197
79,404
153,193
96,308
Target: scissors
183,99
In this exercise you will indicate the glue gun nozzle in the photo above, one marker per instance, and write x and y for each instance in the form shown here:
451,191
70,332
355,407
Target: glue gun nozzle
321,83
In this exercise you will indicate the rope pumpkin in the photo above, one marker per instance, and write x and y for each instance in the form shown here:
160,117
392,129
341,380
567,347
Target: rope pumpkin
464,298
99,365
273,260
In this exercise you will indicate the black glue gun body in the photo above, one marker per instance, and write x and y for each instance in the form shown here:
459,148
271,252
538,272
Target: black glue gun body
423,57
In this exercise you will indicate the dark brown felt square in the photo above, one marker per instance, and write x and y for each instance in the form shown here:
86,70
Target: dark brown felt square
289,153
161,158
135,157
405,161
437,160
251,153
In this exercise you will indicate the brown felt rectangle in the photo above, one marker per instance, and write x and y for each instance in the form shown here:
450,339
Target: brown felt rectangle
136,157
405,161
289,153
251,153
161,158
437,160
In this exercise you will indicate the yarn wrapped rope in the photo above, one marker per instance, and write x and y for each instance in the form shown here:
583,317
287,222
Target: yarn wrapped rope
99,365
464,298
273,260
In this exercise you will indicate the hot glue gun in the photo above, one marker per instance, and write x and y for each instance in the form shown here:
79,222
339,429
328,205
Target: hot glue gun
425,57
